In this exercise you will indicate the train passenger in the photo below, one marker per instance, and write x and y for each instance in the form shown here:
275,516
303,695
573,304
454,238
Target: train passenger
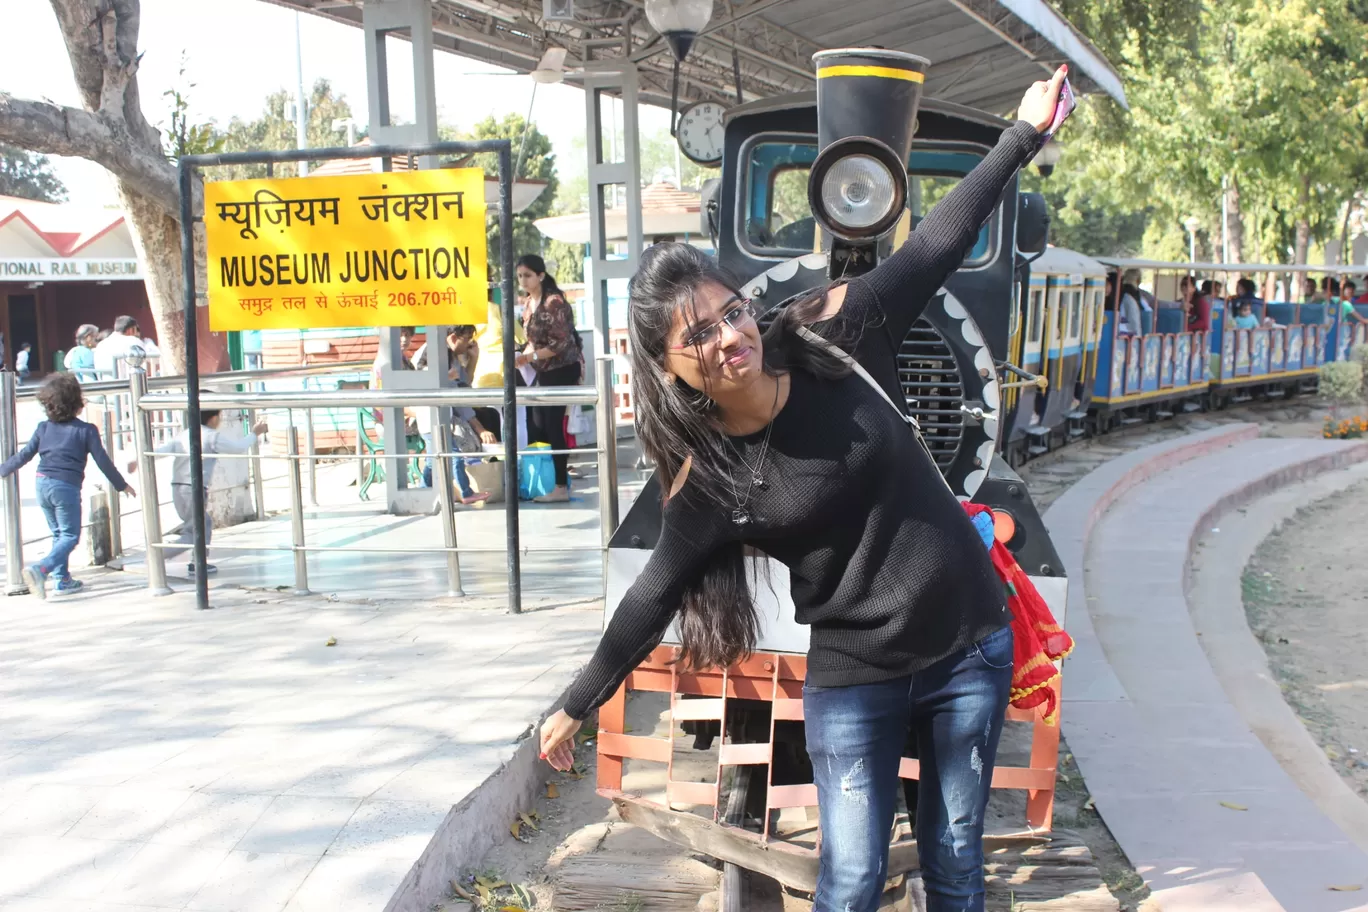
1310,293
1244,315
1346,303
1130,324
1196,305
1330,289
786,443
1363,298
1246,290
1130,284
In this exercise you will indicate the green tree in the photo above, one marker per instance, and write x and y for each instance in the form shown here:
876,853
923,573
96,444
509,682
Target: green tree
275,129
564,261
28,175
1136,31
1264,96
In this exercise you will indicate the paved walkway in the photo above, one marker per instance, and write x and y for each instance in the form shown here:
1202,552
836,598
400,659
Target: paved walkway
1200,807
156,757
1216,598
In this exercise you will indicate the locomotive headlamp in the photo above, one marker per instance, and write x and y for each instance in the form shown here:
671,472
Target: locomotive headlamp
866,112
857,189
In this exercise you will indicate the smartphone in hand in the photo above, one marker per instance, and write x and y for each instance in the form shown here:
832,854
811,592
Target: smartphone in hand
1063,108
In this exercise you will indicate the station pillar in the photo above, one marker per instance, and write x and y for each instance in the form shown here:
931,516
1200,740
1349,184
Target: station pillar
602,79
381,19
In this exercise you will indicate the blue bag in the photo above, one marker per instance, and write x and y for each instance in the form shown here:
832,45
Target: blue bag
536,473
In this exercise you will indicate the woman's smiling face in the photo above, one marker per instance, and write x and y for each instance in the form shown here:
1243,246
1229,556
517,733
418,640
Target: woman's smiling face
714,342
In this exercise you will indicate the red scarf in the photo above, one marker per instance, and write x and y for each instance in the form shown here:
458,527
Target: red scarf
1038,640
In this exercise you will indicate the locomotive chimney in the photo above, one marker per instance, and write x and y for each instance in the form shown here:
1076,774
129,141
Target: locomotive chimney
868,92
867,100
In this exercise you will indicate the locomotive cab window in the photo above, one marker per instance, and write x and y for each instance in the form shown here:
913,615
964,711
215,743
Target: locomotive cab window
777,220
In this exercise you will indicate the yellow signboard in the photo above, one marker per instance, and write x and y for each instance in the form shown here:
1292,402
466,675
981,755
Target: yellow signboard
391,249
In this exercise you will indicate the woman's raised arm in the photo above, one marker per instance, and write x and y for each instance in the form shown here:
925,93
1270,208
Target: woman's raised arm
687,539
904,283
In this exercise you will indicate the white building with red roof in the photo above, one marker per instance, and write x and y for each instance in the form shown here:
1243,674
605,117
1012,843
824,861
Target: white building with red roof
62,265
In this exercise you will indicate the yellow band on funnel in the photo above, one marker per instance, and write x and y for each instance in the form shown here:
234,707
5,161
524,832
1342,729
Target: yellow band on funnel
876,71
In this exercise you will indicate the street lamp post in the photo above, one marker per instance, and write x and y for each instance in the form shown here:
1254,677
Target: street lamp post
1047,158
1191,223
679,22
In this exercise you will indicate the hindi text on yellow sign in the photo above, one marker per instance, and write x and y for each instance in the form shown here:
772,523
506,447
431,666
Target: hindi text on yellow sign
389,249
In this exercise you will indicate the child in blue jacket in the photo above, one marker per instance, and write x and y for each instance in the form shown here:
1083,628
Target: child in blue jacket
62,444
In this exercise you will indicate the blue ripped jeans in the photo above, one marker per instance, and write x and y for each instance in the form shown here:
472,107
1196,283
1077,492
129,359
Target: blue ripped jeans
855,737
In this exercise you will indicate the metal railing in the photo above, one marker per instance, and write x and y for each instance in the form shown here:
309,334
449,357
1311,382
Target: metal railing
111,398
145,403
153,396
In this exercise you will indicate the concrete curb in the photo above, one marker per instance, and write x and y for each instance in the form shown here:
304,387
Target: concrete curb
477,823
1216,602
1070,521
1155,731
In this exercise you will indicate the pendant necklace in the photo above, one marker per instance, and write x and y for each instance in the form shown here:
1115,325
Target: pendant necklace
742,515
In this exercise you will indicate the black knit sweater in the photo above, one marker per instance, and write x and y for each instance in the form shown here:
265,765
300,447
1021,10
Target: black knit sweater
884,564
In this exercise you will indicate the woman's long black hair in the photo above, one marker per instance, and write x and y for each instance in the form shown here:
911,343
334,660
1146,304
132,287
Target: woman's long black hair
718,621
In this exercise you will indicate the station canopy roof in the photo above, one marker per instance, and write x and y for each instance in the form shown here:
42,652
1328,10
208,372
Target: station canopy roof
983,53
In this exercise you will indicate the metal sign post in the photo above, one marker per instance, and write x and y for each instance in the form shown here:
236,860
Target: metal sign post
414,197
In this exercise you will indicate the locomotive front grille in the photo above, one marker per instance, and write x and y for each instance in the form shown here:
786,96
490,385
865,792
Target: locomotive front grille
931,383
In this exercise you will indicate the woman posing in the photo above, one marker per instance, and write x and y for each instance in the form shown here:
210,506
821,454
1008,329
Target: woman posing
553,351
774,443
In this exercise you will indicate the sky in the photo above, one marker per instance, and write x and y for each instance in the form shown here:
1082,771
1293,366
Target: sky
237,52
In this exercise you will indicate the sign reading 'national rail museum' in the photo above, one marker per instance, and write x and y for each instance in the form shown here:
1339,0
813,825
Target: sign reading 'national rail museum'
391,249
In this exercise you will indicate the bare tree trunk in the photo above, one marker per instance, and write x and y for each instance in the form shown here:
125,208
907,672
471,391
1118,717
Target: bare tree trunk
1235,218
156,236
1345,254
102,46
1303,236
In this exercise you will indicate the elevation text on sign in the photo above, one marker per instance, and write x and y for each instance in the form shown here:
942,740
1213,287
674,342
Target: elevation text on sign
390,249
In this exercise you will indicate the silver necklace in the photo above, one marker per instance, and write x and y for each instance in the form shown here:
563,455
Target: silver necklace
742,515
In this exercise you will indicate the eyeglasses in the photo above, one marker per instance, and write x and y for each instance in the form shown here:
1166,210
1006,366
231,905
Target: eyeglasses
739,315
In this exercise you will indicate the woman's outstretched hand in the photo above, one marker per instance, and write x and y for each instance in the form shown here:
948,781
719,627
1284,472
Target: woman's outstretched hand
557,740
1037,106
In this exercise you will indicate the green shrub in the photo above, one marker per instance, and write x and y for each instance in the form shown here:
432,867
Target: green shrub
1342,381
